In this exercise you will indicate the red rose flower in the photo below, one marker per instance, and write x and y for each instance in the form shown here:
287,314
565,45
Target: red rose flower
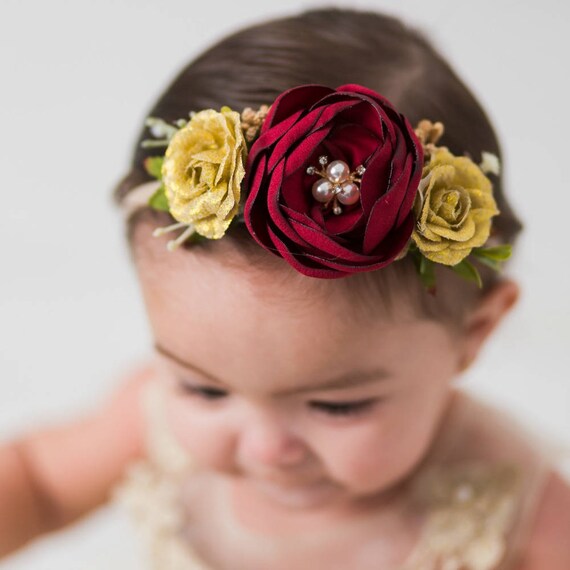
352,124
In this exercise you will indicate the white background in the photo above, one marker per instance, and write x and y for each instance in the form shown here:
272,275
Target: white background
77,79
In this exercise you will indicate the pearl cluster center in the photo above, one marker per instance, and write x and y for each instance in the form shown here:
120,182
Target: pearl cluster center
337,184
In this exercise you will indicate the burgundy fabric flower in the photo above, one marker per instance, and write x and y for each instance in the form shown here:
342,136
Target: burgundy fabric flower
353,124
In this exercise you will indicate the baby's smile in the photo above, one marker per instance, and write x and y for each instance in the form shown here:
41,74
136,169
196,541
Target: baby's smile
304,496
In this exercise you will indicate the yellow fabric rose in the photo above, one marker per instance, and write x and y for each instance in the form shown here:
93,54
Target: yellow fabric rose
203,167
453,208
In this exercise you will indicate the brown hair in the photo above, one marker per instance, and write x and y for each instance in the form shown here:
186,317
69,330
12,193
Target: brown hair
332,46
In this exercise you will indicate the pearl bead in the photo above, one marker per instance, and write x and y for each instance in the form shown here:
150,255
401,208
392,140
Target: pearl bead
338,171
349,194
323,190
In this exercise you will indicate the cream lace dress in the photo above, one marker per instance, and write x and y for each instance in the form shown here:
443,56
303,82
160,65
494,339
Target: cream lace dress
476,495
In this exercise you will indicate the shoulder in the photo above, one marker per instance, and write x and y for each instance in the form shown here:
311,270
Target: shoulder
58,460
123,410
492,435
548,546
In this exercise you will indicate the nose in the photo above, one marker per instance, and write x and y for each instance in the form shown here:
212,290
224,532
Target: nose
265,441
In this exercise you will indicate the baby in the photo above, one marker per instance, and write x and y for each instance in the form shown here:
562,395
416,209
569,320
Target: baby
310,322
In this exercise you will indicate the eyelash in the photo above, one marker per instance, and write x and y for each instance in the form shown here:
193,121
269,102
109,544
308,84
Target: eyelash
329,408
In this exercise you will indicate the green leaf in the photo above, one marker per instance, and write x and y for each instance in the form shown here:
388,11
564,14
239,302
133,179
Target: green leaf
238,218
153,165
497,253
159,201
427,273
492,263
468,271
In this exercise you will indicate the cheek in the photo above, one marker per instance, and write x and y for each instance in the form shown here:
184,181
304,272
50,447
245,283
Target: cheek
209,443
385,450
368,458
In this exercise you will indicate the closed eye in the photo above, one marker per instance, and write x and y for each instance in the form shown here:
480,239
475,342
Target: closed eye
203,391
329,408
344,408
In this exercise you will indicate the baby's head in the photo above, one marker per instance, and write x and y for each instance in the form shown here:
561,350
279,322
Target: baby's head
293,379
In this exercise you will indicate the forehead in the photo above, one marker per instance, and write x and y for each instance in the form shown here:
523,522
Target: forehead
190,295
231,319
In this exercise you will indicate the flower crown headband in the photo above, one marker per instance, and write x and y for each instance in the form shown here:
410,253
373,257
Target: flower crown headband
334,181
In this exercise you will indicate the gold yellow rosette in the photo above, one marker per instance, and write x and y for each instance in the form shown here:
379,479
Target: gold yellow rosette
453,208
202,170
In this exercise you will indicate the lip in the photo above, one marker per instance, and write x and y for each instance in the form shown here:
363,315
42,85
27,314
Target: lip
297,496
277,481
289,485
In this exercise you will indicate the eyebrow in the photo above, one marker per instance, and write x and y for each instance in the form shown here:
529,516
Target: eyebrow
346,380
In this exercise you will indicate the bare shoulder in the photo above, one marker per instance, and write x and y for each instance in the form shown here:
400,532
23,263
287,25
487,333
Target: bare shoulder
74,465
491,435
122,412
549,546
123,405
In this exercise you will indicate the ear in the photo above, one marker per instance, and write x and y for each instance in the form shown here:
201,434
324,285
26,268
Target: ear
482,319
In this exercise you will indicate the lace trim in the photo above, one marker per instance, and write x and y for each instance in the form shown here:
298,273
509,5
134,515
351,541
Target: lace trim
152,502
469,513
149,490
